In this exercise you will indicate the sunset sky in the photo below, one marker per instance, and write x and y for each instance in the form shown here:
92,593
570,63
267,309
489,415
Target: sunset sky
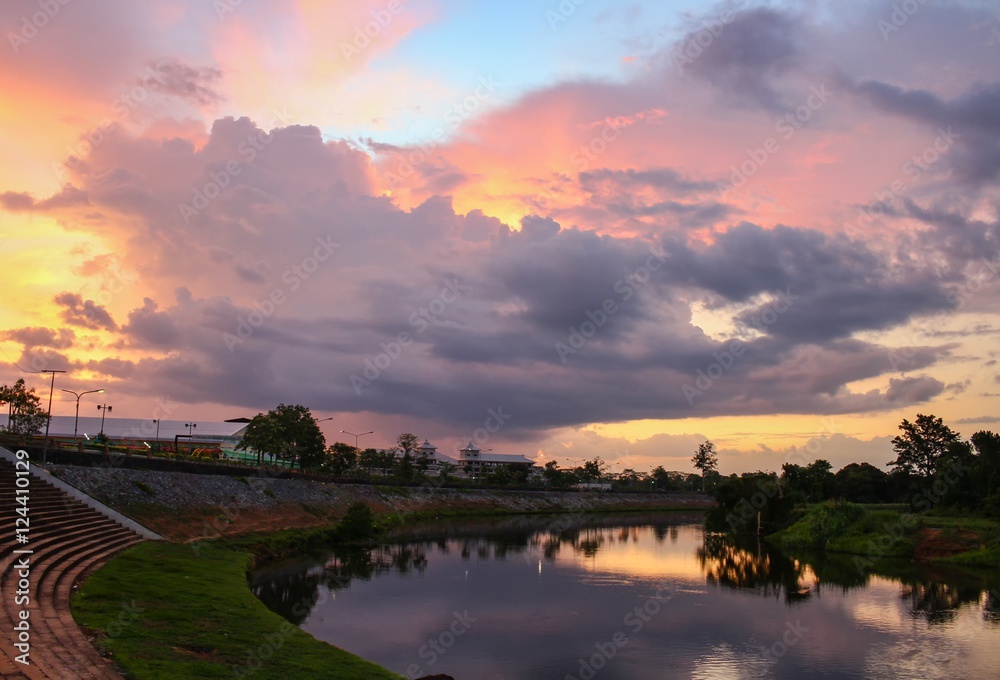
623,227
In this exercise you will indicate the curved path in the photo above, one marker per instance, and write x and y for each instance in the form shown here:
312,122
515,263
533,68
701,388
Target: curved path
68,540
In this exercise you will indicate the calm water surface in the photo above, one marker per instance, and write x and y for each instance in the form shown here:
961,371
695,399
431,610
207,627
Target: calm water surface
640,598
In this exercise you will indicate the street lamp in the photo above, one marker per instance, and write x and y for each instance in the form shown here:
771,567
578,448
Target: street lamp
189,426
104,409
76,420
157,421
356,436
48,416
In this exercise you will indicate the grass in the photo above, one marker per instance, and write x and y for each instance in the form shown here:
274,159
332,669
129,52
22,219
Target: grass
175,613
145,488
165,610
889,531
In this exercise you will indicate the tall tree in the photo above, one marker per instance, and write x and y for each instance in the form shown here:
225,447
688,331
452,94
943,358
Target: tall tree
288,432
25,414
408,442
661,478
863,483
706,460
340,458
987,445
922,446
593,470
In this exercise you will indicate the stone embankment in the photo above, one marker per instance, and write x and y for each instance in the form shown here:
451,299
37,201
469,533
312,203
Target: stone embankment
184,506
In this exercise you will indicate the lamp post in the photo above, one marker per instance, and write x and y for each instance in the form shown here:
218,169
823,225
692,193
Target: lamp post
104,409
356,436
190,426
48,416
76,420
157,421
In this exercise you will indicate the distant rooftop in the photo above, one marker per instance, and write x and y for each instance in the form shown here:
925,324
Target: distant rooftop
139,428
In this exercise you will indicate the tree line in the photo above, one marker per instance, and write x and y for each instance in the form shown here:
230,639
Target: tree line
934,468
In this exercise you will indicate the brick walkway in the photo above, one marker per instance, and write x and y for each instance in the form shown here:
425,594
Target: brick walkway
69,540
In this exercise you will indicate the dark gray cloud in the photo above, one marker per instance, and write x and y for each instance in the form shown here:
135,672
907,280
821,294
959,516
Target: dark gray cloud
36,336
913,390
313,280
748,55
669,179
978,420
970,123
196,84
84,313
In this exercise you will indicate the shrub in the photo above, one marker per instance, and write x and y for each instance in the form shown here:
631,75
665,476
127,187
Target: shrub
832,518
145,488
358,523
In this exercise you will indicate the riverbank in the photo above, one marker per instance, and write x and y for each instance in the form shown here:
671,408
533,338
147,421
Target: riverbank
164,611
171,611
189,507
875,532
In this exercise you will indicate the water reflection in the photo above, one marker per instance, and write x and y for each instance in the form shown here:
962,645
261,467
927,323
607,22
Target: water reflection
932,594
757,566
733,597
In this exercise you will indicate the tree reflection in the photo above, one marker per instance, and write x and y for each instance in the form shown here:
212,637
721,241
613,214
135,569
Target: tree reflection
734,564
991,606
938,602
292,590
933,594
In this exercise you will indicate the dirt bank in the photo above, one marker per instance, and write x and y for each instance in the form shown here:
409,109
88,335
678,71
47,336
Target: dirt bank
184,506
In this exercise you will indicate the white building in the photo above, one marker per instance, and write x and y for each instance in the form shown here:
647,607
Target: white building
474,461
435,459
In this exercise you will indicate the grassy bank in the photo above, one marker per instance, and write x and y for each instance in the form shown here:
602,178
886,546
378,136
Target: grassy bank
165,612
168,610
877,532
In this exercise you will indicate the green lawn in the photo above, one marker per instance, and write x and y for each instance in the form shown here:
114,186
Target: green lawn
166,612
886,531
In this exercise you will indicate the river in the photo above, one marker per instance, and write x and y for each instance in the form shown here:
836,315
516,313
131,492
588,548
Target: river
632,598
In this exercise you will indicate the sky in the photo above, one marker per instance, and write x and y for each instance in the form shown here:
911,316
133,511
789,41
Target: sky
560,229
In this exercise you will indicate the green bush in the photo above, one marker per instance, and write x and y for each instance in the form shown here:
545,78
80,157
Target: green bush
145,488
358,523
832,519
